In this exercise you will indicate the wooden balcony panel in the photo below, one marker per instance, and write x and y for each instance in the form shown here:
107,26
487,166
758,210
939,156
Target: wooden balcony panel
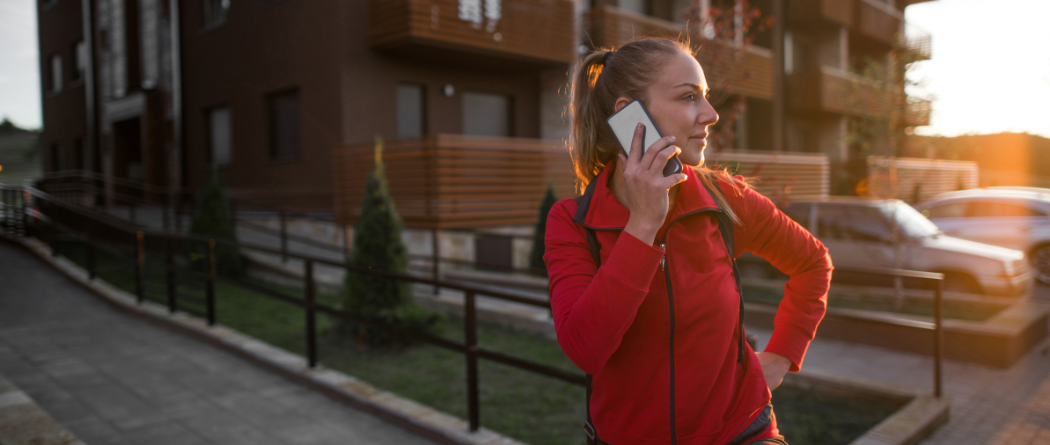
611,27
838,12
531,30
457,180
835,91
879,22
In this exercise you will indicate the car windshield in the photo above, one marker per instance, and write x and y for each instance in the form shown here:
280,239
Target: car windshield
912,223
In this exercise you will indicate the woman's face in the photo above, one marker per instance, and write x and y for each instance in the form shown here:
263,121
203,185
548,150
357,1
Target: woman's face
678,104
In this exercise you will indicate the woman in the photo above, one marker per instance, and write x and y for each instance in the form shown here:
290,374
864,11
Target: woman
658,319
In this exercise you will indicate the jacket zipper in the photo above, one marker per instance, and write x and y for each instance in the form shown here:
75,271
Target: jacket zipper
670,305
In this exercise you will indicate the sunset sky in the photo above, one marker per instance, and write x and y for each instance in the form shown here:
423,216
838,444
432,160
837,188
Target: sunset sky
990,70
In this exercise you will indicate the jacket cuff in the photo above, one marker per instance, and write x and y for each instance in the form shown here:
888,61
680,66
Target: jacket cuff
791,342
633,262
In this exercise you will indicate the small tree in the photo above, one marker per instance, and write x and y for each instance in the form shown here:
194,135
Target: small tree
213,218
377,245
536,256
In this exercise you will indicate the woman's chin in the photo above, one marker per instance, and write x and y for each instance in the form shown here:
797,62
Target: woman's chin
692,159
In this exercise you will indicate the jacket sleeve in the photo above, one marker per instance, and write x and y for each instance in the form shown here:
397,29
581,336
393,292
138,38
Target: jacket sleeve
770,234
593,307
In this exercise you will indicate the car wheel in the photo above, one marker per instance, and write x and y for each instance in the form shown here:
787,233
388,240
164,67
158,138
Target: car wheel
962,283
1041,263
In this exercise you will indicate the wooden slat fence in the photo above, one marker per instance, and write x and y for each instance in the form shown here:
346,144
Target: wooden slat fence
456,181
777,175
916,179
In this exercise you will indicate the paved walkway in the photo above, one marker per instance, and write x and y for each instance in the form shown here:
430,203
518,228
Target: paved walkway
114,379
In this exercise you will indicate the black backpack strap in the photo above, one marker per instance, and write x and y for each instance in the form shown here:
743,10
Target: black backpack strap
583,202
725,227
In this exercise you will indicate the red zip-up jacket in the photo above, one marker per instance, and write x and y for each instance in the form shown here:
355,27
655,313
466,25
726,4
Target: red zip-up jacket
615,322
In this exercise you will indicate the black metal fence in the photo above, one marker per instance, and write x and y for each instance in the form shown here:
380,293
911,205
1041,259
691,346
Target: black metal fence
22,217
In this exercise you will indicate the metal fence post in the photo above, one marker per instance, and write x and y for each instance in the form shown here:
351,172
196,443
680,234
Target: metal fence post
284,238
435,255
311,331
25,218
472,361
91,261
210,295
937,337
140,265
169,273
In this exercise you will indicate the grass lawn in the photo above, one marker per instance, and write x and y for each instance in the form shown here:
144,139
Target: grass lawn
526,406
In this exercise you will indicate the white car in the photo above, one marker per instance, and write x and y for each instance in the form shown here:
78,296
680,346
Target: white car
1014,217
888,233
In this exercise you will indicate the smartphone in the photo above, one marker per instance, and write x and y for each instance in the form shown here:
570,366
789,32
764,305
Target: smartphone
624,122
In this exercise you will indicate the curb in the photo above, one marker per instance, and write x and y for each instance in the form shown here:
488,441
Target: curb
22,421
408,414
907,426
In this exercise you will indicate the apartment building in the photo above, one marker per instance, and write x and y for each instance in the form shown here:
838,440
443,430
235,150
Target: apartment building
287,97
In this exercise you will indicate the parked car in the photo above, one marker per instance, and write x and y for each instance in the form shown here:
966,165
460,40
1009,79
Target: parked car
888,233
1014,217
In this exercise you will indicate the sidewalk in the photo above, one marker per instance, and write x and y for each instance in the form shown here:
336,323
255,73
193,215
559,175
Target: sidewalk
113,379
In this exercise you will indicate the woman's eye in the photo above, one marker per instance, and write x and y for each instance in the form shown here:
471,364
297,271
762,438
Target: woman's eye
691,96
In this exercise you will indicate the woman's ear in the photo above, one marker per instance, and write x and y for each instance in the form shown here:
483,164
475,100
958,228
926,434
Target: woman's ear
621,102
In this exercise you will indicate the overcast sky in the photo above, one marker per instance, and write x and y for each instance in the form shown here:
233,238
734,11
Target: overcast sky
990,70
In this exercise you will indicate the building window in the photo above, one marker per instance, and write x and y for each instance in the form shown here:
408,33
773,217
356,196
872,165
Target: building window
80,60
56,157
214,11
410,114
486,114
220,136
56,73
284,125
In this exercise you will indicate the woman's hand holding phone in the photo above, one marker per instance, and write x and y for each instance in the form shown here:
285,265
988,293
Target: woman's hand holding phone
645,186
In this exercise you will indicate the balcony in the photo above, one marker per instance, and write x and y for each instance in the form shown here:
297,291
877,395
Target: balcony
535,31
611,27
879,21
456,181
918,41
839,12
835,91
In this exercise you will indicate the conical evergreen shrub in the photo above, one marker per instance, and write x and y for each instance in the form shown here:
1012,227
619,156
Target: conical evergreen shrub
378,245
536,256
213,218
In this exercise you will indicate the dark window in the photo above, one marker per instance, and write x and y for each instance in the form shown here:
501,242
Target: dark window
78,151
866,224
799,212
410,114
1000,209
56,157
79,60
284,125
220,135
486,114
213,12
56,73
953,210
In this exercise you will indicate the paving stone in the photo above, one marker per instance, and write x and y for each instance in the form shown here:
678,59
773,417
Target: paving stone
114,379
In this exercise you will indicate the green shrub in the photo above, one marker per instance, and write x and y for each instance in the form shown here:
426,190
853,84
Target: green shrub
377,245
536,256
212,218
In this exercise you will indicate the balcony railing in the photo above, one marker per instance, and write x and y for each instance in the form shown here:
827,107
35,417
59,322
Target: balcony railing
752,73
839,12
879,21
532,30
838,91
454,181
918,41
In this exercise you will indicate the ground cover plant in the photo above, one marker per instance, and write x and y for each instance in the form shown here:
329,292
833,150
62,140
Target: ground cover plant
526,406
852,300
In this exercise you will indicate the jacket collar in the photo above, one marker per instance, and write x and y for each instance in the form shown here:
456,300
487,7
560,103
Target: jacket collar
599,209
